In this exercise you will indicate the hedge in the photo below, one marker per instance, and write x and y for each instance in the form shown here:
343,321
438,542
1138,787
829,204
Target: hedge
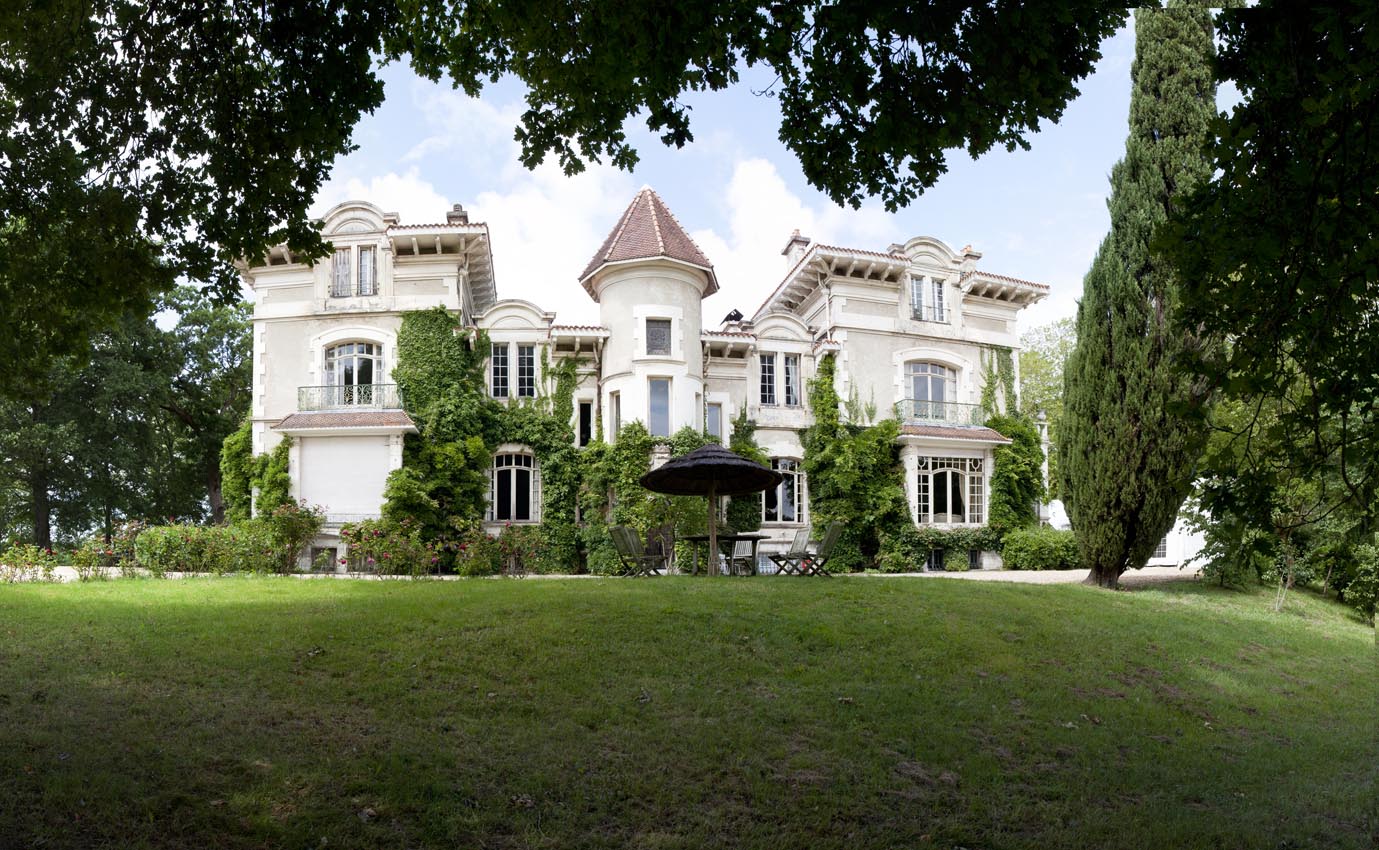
1040,549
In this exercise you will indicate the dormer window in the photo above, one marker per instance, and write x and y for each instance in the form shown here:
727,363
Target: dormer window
353,271
926,300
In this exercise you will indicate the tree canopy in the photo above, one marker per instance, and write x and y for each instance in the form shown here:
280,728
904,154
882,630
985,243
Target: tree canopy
1278,252
140,143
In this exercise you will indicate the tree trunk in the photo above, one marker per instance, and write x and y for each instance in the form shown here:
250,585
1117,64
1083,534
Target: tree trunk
42,510
1107,577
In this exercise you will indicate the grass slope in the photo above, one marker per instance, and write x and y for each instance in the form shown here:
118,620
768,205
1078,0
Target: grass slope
680,713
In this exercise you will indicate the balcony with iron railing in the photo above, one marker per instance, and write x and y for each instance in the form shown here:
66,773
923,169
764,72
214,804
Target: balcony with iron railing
915,411
931,313
349,397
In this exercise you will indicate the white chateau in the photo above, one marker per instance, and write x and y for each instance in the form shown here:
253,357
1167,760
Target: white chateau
912,328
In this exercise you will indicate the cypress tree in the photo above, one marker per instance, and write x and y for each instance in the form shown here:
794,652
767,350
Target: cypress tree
1129,432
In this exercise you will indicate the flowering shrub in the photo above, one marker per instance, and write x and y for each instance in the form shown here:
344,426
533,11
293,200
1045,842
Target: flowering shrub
242,547
92,558
26,562
520,549
389,548
292,527
473,551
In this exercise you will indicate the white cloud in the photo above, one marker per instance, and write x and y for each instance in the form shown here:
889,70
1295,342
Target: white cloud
545,227
411,197
762,212
465,126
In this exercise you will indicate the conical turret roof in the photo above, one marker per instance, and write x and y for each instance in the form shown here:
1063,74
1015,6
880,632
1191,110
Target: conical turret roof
648,230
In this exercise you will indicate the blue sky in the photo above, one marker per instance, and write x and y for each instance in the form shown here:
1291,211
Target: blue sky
1036,214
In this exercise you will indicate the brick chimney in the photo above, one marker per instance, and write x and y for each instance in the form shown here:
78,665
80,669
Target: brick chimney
457,215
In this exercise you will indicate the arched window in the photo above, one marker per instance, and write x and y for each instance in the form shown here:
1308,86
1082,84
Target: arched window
785,501
951,491
515,489
932,387
353,370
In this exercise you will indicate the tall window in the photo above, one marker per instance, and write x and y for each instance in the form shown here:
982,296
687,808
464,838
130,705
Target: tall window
586,422
498,370
785,501
768,378
353,272
515,493
366,271
917,297
1161,550
937,301
792,380
526,371
713,420
614,415
931,385
659,419
340,284
351,370
951,490
658,336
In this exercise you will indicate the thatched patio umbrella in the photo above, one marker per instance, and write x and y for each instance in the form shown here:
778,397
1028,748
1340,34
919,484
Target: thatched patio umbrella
711,471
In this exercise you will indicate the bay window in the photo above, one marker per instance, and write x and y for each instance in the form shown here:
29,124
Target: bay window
950,491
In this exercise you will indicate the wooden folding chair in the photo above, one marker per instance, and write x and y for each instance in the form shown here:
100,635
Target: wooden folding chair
813,563
661,540
788,562
740,562
636,561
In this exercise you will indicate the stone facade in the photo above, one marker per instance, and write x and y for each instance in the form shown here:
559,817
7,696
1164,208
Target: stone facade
913,329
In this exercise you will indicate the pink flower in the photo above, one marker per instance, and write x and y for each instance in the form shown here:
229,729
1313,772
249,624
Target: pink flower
344,560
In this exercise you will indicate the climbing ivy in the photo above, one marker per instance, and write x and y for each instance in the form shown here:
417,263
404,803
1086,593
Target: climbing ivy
999,363
237,472
854,475
1017,479
272,478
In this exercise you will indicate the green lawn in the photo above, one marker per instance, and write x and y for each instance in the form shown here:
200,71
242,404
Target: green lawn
757,713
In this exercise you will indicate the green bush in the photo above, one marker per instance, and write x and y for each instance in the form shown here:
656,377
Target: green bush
243,547
92,558
292,527
1362,592
476,554
957,560
1041,549
26,562
389,548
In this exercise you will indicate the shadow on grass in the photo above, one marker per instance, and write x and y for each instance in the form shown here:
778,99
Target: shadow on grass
676,713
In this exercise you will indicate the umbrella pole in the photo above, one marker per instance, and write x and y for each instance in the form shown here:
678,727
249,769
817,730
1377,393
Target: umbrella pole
713,529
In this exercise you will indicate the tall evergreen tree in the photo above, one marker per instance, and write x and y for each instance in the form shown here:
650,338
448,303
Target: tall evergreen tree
1129,433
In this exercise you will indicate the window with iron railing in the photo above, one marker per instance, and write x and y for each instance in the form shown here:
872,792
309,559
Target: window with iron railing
354,271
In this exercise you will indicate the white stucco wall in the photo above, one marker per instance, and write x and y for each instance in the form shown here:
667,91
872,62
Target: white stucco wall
344,475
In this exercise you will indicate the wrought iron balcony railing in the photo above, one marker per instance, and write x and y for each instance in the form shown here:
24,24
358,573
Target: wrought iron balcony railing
931,313
915,411
349,397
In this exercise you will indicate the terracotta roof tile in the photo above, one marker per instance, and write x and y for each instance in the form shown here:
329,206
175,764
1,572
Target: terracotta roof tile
1006,279
579,328
955,432
647,230
346,419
